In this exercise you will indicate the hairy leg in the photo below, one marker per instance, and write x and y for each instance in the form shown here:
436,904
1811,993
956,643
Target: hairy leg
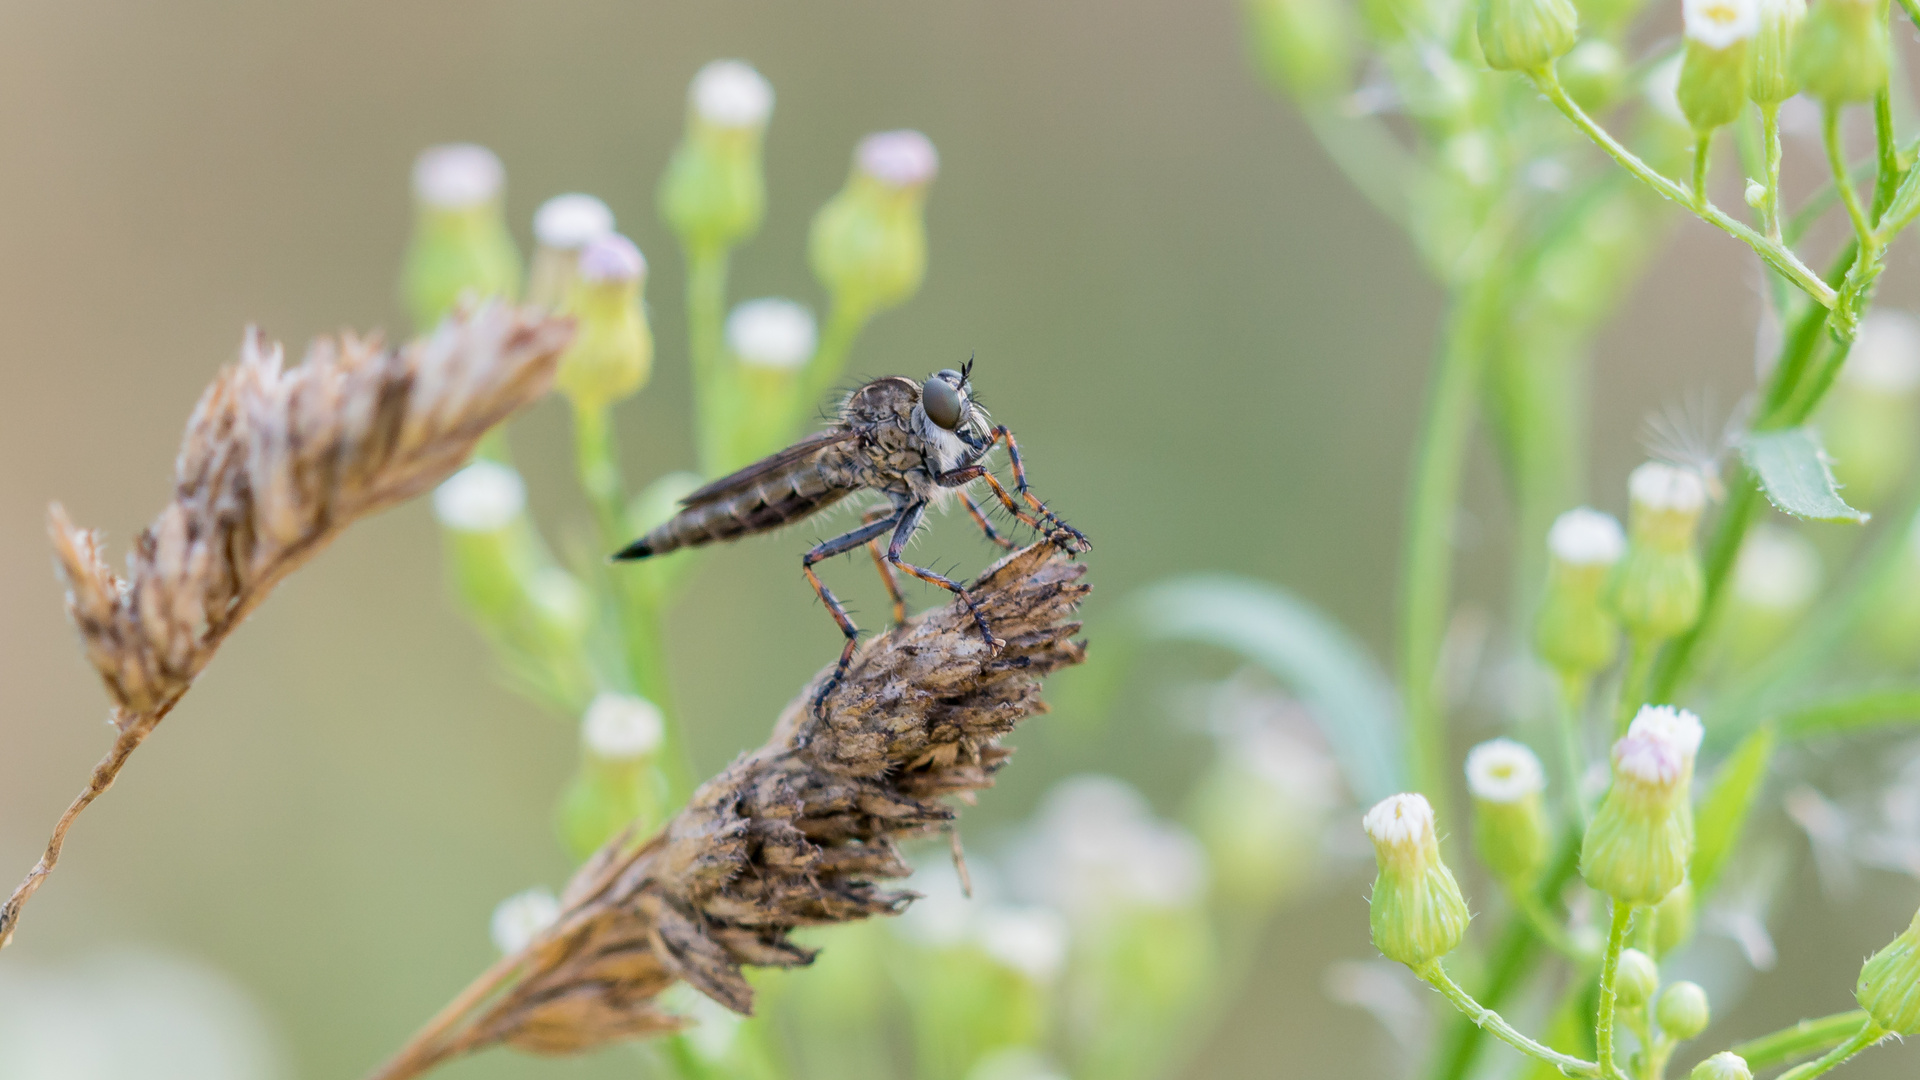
827,550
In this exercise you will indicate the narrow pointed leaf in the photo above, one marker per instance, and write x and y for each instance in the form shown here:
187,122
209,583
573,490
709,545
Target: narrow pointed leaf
1792,467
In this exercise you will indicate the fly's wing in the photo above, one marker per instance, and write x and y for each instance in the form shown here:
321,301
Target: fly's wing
733,484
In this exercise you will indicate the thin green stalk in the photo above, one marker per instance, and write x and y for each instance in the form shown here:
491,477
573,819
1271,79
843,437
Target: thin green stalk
1886,154
1702,148
1573,749
1770,134
599,470
1837,162
1546,927
1850,712
1912,8
706,323
1439,459
1776,255
1609,976
1493,1022
1634,681
1640,1022
1802,1039
1868,1034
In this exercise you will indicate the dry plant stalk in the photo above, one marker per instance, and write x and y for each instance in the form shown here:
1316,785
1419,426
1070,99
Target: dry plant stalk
276,461
797,833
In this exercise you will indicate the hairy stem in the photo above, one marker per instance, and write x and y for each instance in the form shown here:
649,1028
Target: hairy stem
1806,1037
1702,151
1837,162
1494,1023
1770,134
1609,974
1868,1034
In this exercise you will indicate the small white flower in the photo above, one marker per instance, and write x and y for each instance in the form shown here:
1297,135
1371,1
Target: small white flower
1584,536
520,918
567,222
1650,758
611,258
1720,24
1402,822
1886,354
621,727
898,158
772,333
731,94
457,176
1504,771
1029,940
1677,728
482,497
1657,485
1777,570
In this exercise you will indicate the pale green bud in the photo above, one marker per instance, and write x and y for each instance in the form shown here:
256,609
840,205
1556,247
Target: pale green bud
1889,987
1638,979
1592,73
1773,80
1641,839
1870,422
1725,1065
1521,35
1510,830
1574,631
1718,66
1417,913
1775,580
612,351
714,192
1683,1012
1658,588
1304,46
1755,193
460,248
1843,52
617,784
773,340
563,226
481,507
868,245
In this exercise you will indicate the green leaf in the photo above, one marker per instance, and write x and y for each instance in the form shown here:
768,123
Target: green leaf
1347,693
1724,814
1792,467
1852,711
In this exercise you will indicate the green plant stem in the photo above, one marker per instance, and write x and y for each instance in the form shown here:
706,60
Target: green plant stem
1802,1039
1609,975
1545,926
1640,1022
1702,151
1868,1034
1658,1054
1886,153
1573,747
1633,682
1847,713
1770,136
706,334
1774,254
1836,161
1493,1022
598,465
1439,459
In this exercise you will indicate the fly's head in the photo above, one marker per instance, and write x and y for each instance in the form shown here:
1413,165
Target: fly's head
946,400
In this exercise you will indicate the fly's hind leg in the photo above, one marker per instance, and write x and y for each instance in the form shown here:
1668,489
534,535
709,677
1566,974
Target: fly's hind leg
880,560
828,550
979,519
909,521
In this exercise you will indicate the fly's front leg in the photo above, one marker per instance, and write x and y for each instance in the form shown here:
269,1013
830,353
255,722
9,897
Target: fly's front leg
986,526
909,521
1061,534
886,570
828,550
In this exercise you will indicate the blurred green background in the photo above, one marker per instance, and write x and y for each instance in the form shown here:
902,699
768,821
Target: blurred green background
1211,349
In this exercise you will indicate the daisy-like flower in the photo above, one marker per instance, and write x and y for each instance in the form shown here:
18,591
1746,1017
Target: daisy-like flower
1720,24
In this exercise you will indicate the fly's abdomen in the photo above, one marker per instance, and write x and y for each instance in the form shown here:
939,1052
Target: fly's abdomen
767,504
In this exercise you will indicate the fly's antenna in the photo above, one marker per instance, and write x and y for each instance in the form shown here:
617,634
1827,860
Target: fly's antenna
966,370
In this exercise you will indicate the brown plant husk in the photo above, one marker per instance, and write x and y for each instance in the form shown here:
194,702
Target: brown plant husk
797,833
275,462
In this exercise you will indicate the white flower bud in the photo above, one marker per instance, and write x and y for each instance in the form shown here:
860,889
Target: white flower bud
1657,485
610,258
898,159
772,333
457,176
1029,940
568,222
620,727
1401,826
1725,1065
1586,537
1720,24
483,497
1668,727
1504,771
521,917
731,94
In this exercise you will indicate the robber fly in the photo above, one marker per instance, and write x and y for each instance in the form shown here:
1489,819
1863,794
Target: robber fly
913,443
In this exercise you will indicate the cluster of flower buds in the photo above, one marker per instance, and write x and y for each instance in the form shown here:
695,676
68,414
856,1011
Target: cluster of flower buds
618,783
714,193
461,249
1657,589
1641,839
1417,914
1575,632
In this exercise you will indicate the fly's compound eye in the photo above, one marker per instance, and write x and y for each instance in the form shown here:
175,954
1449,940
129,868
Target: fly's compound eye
941,400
